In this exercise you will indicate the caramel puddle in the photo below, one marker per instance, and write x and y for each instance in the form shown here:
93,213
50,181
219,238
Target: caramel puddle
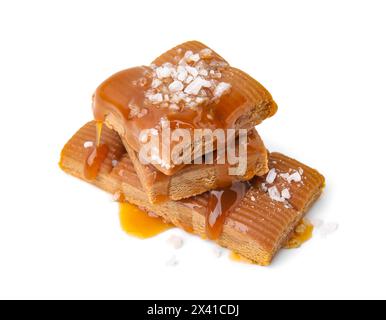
302,233
138,223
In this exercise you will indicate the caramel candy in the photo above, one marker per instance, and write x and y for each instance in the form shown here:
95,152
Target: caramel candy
196,179
192,87
260,216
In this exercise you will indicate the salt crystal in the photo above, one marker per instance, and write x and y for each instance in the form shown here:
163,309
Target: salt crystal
328,228
203,72
172,262
156,98
218,252
295,177
188,54
271,176
194,57
193,71
88,144
156,83
206,53
189,79
285,194
114,163
176,86
176,242
195,86
274,194
221,88
163,72
181,73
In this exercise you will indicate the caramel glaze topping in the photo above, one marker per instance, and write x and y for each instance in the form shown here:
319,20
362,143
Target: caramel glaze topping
127,88
224,97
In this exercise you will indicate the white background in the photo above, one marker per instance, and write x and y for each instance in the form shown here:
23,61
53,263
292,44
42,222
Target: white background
324,63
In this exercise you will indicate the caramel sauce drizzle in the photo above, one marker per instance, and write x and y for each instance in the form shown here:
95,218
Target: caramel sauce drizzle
140,224
221,202
96,155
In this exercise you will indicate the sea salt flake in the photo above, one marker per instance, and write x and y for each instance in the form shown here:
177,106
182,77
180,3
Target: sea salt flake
195,86
203,72
172,262
328,228
271,176
285,193
188,54
176,86
176,242
206,53
189,79
221,89
274,194
295,177
156,98
181,73
163,72
156,83
194,57
114,163
193,71
218,252
88,144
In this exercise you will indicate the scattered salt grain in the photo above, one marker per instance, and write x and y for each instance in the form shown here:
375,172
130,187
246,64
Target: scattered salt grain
328,228
274,194
295,177
156,98
221,89
114,163
271,176
176,86
88,144
172,262
181,73
156,83
193,71
218,252
285,194
195,86
194,57
163,72
176,242
206,53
